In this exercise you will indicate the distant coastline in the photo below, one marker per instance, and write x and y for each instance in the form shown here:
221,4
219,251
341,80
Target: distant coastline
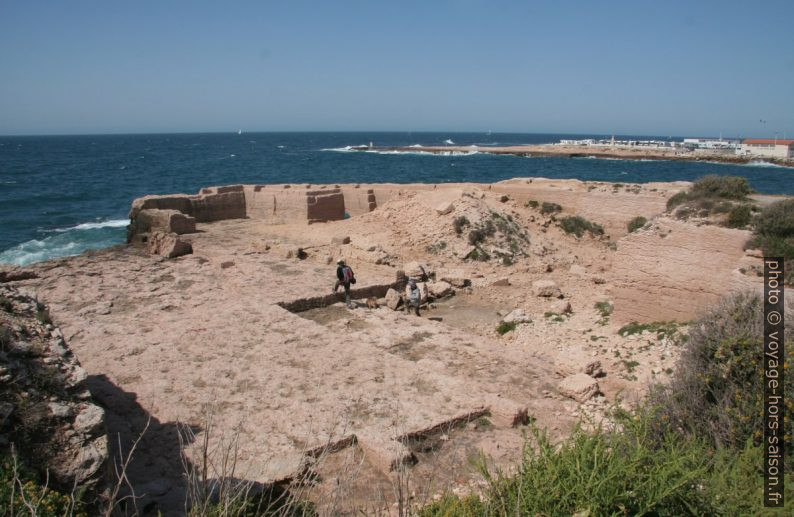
572,151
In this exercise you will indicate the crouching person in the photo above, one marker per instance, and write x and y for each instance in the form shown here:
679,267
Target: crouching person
344,277
413,297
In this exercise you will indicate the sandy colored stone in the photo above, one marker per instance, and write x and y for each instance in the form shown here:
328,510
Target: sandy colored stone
580,387
546,289
168,245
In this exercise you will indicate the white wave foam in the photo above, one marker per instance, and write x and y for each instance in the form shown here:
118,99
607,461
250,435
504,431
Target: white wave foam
355,149
345,149
449,141
113,223
761,163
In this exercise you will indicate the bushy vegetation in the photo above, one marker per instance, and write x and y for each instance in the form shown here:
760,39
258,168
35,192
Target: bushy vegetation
725,187
504,327
774,234
577,225
550,208
712,195
6,304
739,216
691,450
23,493
532,203
716,392
662,329
636,223
459,223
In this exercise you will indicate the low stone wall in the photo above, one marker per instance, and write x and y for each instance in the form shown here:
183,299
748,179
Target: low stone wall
305,304
275,204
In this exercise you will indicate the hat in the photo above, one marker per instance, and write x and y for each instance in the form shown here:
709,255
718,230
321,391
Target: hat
340,262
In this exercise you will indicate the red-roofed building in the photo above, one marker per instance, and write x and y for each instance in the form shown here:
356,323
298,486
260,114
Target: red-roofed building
767,148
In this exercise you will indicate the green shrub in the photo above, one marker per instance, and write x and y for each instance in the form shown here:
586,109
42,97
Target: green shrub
622,473
577,225
479,255
774,234
532,203
662,329
776,220
739,216
459,223
504,327
636,223
49,502
476,236
723,207
6,304
603,308
676,199
550,208
725,187
716,392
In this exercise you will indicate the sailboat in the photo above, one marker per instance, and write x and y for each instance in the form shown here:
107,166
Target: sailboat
239,131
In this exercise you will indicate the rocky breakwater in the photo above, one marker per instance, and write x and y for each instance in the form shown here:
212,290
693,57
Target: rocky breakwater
47,417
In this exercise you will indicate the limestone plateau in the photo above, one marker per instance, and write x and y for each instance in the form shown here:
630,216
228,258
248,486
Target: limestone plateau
222,300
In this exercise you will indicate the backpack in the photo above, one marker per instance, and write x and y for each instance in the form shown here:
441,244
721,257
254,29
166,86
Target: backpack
347,275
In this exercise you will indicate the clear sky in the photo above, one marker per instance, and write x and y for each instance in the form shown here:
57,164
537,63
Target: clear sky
628,67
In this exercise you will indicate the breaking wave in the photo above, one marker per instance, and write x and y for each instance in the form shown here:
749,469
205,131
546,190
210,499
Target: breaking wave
760,163
364,149
65,242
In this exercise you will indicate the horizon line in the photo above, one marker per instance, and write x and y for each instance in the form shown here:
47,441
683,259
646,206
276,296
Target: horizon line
325,131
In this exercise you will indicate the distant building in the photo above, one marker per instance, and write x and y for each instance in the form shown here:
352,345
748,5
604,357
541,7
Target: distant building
767,148
711,143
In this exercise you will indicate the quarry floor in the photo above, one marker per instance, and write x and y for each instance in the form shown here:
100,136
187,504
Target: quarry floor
169,342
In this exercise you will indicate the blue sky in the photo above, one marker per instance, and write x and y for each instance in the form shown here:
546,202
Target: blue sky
664,68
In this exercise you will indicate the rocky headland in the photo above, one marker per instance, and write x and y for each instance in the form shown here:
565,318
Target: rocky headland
539,306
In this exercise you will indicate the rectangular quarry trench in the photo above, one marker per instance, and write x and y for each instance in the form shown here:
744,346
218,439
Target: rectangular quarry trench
318,302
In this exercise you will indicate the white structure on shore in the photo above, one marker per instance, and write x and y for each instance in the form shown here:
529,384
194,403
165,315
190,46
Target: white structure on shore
767,148
711,143
611,142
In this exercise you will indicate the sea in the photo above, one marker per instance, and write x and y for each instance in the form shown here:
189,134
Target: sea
63,195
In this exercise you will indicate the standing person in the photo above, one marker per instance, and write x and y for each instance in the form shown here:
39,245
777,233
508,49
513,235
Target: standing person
344,277
414,297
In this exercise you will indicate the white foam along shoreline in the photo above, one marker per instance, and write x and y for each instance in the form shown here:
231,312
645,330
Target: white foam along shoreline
64,242
366,149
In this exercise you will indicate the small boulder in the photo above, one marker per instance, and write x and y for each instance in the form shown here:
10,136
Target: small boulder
580,387
577,270
518,316
546,289
415,270
444,208
168,245
227,264
392,299
440,289
341,240
561,307
502,282
455,277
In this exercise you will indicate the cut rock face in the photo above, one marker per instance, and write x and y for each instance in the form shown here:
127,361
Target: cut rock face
393,299
440,289
580,387
546,289
168,245
518,316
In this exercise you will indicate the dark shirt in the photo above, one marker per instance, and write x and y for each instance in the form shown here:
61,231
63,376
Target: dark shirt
340,274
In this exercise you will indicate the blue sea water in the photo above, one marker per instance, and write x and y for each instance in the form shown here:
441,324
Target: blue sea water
62,195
